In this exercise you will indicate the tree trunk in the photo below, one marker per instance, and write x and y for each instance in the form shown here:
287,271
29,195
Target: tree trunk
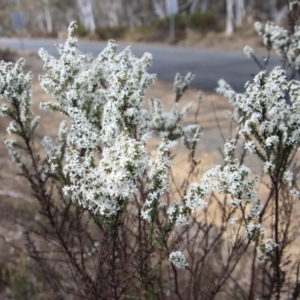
273,9
229,17
40,23
125,14
194,6
239,12
280,15
250,11
48,18
277,15
112,15
204,5
86,14
158,9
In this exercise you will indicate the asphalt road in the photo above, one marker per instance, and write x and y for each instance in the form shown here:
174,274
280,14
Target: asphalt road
208,65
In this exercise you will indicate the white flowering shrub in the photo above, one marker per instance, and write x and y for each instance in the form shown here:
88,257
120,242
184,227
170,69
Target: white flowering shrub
267,117
100,167
118,225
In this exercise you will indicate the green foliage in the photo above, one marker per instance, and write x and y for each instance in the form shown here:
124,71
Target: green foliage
203,21
63,5
164,24
200,21
148,290
81,31
159,30
106,33
20,280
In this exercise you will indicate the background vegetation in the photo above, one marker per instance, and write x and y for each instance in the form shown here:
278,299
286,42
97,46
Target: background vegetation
140,20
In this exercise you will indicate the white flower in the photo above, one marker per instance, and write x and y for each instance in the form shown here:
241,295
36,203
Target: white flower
233,221
295,193
181,84
248,51
191,136
268,167
267,248
252,228
229,148
250,145
158,173
272,140
176,214
289,177
194,198
178,260
258,28
146,216
14,152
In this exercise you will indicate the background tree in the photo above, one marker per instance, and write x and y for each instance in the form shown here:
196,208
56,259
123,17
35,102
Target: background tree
51,16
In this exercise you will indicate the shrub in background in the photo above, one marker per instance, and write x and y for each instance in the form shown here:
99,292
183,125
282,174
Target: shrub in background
159,30
81,31
203,22
106,33
7,54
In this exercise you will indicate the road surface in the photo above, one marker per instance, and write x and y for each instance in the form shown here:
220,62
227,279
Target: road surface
208,65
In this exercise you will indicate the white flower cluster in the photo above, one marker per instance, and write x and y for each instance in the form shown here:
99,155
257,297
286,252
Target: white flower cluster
267,249
178,260
191,137
249,52
290,179
177,214
234,180
194,198
15,86
158,181
102,97
269,112
104,101
234,98
168,124
268,117
14,153
283,42
104,189
181,84
56,149
105,96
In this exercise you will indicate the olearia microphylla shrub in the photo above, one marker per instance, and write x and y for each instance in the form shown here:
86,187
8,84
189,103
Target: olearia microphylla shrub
267,115
99,163
118,225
